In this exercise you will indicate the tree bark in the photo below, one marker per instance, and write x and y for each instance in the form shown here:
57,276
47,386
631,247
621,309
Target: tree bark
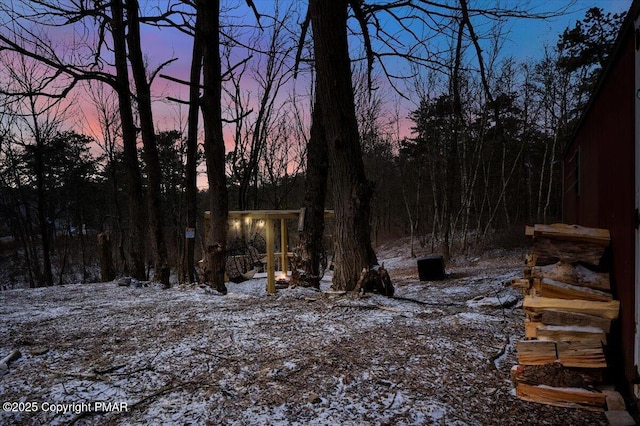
134,178
351,190
41,192
107,271
154,174
311,248
192,152
216,244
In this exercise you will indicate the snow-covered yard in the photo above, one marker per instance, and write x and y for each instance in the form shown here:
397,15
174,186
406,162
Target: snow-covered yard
440,353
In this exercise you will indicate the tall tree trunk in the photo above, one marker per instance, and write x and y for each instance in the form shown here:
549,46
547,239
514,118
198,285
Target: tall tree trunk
42,203
134,179
31,252
550,187
192,152
314,199
351,190
154,173
216,244
107,271
452,153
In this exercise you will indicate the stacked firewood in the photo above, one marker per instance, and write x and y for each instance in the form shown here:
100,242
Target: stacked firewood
569,308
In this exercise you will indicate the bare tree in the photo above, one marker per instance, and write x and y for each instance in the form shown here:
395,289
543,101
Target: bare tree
40,118
282,159
154,173
105,101
351,189
311,249
86,60
254,115
192,151
129,138
215,245
16,202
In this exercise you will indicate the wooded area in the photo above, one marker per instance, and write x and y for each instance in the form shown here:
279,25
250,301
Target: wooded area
302,105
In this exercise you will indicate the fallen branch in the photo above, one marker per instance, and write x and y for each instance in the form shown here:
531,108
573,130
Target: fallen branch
335,292
109,369
421,302
4,362
211,354
90,376
159,392
383,308
393,401
493,358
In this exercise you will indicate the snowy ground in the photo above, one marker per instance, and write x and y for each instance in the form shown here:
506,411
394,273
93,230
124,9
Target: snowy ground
300,357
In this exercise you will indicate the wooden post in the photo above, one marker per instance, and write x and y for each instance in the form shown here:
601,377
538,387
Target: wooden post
283,245
271,281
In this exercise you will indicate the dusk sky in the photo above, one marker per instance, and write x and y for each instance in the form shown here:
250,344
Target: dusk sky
525,40
529,36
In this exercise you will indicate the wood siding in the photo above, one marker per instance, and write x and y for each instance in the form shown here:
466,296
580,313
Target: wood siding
598,182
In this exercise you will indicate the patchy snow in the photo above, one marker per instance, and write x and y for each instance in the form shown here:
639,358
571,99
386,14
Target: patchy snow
438,353
505,300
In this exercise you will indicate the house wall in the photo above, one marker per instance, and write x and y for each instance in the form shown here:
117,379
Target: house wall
602,157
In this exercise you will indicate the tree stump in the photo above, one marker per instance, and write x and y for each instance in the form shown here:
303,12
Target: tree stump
375,280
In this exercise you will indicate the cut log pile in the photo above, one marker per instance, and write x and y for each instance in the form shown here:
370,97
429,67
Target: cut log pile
569,308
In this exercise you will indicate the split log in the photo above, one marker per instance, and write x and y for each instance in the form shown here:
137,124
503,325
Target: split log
530,260
562,333
568,251
531,329
534,259
615,402
533,316
569,243
576,275
557,375
583,354
522,283
536,352
555,317
550,288
607,310
576,233
561,396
